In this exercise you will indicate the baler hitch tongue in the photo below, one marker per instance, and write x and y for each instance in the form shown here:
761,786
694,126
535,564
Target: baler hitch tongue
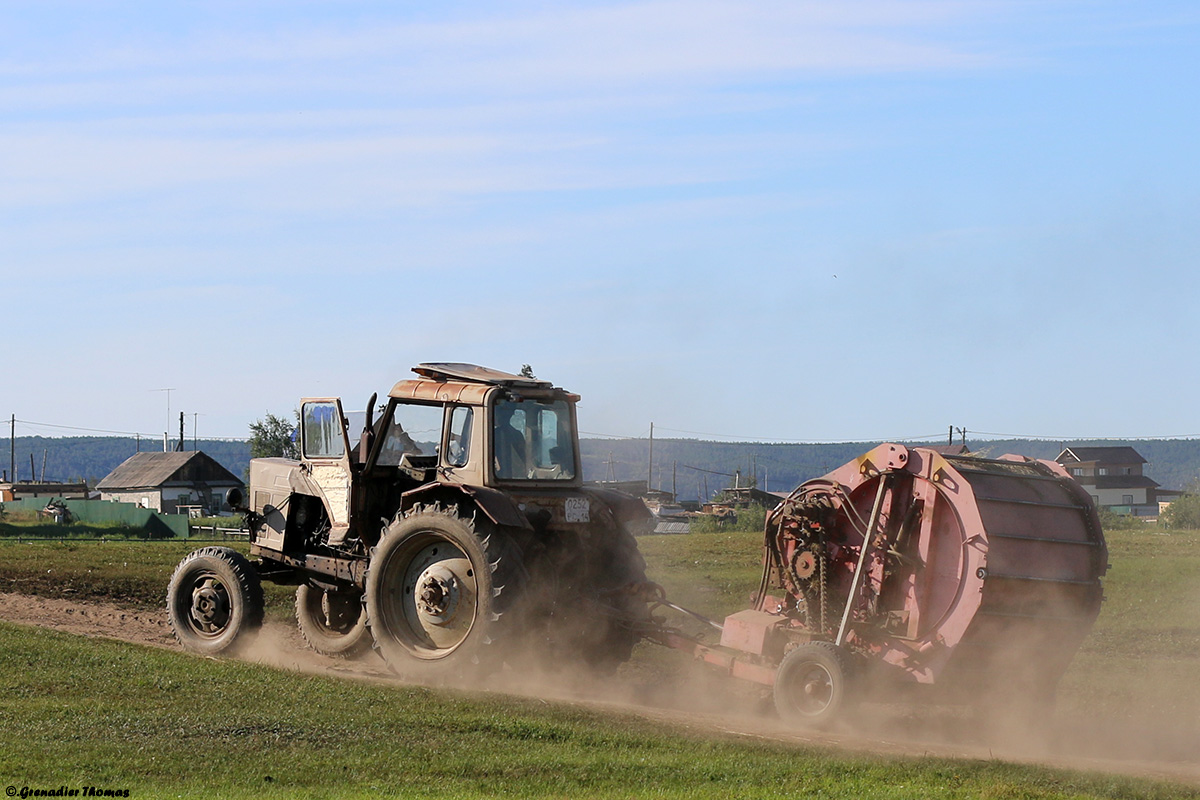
662,602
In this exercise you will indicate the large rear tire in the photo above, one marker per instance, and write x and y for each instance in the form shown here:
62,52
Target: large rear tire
608,639
333,623
432,593
214,601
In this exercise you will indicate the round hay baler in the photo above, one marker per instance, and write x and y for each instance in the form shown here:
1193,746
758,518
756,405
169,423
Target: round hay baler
908,566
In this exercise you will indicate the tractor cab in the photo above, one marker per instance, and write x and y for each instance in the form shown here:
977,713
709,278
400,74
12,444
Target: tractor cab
477,426
455,424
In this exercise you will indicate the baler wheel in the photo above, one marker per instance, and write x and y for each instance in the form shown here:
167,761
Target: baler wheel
812,684
432,592
214,601
333,623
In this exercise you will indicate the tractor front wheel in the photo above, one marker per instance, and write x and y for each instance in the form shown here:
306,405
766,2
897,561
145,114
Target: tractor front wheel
214,601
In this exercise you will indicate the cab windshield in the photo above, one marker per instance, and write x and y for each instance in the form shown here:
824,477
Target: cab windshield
533,440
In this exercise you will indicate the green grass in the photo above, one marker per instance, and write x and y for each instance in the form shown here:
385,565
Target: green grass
27,527
1141,662
133,574
80,712
197,721
713,573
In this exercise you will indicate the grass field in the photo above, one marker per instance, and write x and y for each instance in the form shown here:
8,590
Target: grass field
207,728
203,727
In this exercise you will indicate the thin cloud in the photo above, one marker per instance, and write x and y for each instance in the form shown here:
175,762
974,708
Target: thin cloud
549,50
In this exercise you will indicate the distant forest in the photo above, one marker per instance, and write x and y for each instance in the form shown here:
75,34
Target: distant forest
692,466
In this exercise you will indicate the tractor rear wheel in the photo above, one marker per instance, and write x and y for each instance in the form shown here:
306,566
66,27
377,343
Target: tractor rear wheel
333,623
812,684
609,637
214,601
432,592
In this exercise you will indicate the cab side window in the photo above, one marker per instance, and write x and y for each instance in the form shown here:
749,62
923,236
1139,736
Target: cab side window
321,425
459,445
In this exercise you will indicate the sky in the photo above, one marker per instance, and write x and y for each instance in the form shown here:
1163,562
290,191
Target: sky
773,221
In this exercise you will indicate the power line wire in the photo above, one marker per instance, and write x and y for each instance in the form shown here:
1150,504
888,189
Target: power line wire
774,440
150,436
709,471
1086,438
733,437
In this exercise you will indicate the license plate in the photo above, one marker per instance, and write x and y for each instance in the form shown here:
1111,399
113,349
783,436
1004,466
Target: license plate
577,509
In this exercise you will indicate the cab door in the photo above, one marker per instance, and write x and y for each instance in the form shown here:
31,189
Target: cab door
325,452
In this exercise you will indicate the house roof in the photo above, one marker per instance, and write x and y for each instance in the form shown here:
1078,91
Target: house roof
143,470
1125,482
1106,455
948,449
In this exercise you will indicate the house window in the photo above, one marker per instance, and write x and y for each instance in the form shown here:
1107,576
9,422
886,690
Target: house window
1102,471
1126,499
1077,471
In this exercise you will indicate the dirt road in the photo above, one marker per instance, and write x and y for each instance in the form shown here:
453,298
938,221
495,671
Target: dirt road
704,706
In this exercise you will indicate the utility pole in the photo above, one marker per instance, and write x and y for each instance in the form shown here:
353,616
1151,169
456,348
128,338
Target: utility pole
12,447
950,438
611,475
168,427
195,415
44,453
674,491
963,431
650,471
180,447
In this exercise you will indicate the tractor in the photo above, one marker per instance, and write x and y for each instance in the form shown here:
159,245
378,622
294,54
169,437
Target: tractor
446,527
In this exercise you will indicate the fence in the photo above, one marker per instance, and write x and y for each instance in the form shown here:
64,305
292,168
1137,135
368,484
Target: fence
216,532
156,525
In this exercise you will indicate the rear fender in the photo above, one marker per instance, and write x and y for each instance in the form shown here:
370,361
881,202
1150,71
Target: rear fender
496,506
627,510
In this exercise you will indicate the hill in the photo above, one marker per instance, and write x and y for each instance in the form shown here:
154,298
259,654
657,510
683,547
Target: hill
90,458
692,465
695,467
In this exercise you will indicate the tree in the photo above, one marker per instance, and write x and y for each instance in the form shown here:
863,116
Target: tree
1184,512
271,437
527,371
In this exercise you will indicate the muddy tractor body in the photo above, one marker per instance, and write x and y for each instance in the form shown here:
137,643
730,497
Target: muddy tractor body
442,527
906,567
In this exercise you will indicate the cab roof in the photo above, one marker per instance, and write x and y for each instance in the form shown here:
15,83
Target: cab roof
442,371
467,383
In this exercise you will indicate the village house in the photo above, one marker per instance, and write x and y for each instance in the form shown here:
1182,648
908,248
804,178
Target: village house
171,483
1113,477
